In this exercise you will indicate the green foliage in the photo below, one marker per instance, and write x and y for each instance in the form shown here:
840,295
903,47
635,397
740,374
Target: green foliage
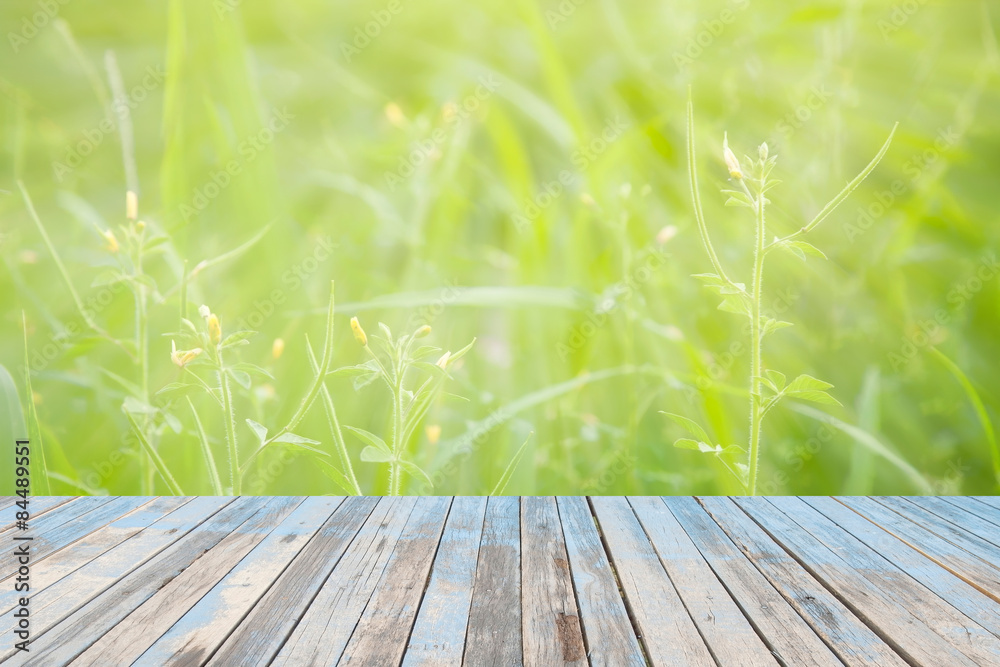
524,178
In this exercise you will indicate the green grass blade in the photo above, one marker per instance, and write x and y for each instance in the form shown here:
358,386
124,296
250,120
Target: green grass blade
978,406
501,484
154,456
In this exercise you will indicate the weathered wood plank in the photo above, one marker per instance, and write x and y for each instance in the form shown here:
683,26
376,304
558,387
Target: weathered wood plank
327,625
992,501
73,635
438,636
726,631
550,619
667,631
59,515
846,635
870,597
132,635
65,596
960,630
608,632
66,561
981,528
786,633
968,600
50,540
975,506
259,637
193,638
960,537
381,635
494,636
38,506
952,558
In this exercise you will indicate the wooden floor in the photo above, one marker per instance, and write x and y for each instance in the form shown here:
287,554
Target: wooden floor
508,581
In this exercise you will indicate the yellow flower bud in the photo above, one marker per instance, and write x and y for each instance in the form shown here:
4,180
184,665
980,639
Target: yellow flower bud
277,347
131,205
731,162
359,333
423,331
109,236
183,357
433,433
443,361
214,328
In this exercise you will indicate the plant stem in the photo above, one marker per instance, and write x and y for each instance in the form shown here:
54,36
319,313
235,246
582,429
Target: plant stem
395,478
235,477
206,450
142,354
755,404
335,430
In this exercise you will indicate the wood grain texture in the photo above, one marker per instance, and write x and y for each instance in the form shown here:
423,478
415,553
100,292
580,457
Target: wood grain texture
608,632
132,635
550,618
262,633
846,635
667,631
901,626
953,558
637,581
327,626
726,631
381,635
966,599
494,636
65,596
786,633
973,544
83,627
958,628
438,637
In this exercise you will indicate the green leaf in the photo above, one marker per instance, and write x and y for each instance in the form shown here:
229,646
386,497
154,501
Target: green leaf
687,443
740,304
371,439
801,249
777,379
737,198
239,377
180,388
804,382
238,338
808,388
259,430
338,477
294,439
416,472
375,455
690,426
772,325
353,371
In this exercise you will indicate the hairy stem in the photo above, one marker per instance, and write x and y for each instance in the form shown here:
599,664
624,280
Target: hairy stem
235,477
395,476
755,404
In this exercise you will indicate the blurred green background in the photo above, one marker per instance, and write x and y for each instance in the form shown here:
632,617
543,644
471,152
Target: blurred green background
515,172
